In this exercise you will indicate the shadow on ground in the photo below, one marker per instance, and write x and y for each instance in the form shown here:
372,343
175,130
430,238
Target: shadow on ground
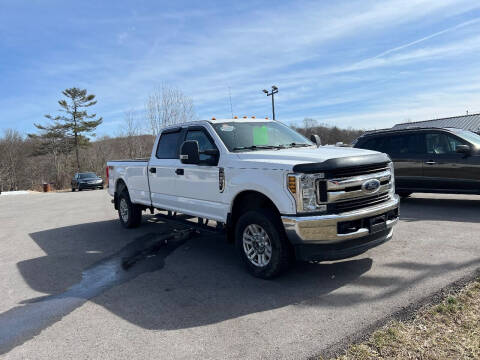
438,209
192,283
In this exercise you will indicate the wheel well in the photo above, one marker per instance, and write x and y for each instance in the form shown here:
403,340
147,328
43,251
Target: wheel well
119,187
248,200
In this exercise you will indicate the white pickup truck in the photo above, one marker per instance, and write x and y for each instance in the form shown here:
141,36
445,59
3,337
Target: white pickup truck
278,195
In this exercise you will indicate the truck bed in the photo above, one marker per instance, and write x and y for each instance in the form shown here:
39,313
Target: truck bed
136,171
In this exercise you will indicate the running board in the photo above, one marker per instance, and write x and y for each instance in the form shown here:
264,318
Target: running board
201,224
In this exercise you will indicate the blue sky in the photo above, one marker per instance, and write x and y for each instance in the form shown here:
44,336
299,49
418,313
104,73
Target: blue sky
365,64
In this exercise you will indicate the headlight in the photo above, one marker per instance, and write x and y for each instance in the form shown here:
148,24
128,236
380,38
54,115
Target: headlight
392,172
303,187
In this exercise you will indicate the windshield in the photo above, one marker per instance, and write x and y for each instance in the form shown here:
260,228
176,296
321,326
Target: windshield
249,136
87,175
470,137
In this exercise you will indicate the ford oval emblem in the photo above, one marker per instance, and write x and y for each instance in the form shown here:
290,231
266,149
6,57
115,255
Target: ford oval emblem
371,186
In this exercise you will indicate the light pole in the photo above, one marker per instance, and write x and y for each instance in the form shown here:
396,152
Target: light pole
272,93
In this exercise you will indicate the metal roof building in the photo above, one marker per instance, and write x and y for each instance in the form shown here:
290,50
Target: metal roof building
466,122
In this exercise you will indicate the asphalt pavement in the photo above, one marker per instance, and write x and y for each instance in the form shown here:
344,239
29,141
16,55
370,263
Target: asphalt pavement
75,285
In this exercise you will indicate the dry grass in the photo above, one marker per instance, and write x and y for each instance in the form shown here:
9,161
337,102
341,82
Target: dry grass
450,330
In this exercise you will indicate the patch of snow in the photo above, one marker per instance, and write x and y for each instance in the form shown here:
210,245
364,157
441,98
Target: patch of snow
14,193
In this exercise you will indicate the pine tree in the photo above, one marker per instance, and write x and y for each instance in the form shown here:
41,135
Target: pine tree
75,121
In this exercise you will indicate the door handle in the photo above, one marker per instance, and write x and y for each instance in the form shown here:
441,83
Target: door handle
430,162
179,172
153,170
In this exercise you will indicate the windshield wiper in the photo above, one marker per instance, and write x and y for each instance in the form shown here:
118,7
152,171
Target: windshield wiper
295,145
258,147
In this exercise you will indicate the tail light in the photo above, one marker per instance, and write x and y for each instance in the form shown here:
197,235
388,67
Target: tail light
107,171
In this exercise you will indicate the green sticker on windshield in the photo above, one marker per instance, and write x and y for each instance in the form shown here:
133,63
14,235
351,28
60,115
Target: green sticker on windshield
260,135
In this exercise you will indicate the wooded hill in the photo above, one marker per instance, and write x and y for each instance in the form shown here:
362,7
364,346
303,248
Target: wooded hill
24,166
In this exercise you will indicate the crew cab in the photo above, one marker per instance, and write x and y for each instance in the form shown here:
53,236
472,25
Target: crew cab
276,194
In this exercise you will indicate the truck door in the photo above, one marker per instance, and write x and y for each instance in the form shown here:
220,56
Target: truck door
197,186
444,168
161,170
406,151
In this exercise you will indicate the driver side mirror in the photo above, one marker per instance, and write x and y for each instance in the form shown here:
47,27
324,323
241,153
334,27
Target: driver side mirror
189,153
463,149
316,139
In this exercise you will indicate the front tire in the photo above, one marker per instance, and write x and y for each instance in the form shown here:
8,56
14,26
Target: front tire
404,194
262,244
130,215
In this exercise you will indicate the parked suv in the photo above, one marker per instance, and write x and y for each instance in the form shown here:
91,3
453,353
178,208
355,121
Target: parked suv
87,180
430,160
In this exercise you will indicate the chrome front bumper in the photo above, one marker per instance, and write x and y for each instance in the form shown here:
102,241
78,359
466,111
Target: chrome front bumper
323,229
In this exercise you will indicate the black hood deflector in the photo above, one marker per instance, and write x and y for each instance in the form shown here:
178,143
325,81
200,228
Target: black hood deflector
349,162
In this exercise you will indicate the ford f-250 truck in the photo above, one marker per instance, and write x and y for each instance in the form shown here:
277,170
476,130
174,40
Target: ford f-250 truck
277,195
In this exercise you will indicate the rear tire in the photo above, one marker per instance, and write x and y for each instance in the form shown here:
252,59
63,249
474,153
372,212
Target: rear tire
262,244
130,215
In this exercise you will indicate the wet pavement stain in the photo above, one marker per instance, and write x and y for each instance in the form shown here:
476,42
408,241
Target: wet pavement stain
144,254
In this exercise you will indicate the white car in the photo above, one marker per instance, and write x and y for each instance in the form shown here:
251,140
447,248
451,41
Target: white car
277,195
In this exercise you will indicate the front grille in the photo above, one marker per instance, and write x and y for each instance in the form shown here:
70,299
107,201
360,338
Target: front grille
359,170
355,204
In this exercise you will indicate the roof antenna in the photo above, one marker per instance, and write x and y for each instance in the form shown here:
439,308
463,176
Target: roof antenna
230,96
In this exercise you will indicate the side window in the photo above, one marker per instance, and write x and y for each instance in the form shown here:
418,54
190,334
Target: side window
204,143
370,144
411,144
416,143
439,143
168,145
402,145
395,145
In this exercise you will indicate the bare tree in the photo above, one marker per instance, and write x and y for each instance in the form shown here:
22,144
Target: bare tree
329,134
3,166
130,133
308,125
13,156
166,106
53,140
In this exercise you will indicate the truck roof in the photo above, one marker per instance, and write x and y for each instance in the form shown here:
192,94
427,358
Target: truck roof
241,120
217,121
404,130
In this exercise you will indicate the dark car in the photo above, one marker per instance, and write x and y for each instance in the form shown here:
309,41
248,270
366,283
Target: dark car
87,180
433,160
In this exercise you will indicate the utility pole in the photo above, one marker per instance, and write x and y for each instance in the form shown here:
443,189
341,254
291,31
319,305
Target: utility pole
272,93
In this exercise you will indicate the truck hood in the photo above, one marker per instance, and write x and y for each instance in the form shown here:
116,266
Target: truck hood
286,159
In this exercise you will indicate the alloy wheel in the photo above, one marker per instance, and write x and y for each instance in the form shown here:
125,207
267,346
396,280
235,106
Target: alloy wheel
257,245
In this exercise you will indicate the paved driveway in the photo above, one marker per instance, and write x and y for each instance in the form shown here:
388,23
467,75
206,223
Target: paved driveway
65,294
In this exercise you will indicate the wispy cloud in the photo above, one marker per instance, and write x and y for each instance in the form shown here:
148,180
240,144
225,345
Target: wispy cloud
341,60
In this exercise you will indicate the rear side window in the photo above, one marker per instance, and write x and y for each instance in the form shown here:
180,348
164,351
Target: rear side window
397,145
405,144
168,145
371,144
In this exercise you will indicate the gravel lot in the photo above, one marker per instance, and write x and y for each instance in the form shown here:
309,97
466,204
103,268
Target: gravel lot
65,294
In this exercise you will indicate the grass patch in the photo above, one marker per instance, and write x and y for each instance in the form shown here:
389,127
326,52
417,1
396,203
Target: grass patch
449,330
